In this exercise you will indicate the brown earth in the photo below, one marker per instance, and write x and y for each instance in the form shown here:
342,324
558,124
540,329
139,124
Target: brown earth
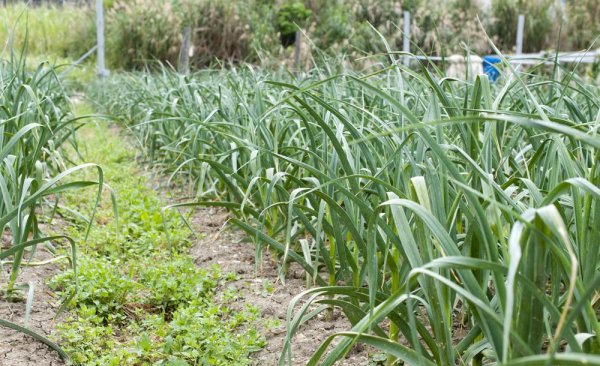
226,247
17,349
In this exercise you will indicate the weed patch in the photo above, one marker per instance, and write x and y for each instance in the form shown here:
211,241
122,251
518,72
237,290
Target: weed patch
138,300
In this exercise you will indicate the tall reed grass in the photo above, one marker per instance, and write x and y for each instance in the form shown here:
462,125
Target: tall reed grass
452,222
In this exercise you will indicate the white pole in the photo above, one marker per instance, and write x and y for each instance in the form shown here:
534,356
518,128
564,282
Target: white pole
297,51
520,27
406,37
184,53
102,72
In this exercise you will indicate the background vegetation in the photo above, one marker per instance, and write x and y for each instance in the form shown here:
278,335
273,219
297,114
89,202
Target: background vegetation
55,32
139,31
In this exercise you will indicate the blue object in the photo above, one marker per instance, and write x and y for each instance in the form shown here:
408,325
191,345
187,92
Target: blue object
489,67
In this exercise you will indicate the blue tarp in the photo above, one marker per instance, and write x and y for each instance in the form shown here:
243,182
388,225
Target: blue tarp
489,67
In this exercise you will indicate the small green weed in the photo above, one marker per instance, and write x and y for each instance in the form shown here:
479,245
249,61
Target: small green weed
102,287
140,301
176,282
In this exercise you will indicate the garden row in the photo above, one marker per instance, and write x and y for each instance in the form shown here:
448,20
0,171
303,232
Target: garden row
130,295
452,222
35,124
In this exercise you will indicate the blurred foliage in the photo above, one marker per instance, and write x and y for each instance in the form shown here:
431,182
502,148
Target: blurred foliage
290,16
142,30
583,20
147,30
139,32
54,32
540,31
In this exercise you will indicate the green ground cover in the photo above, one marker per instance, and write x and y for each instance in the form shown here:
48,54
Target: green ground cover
139,300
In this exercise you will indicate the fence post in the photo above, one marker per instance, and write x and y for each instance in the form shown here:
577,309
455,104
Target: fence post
102,72
184,53
406,37
520,28
297,51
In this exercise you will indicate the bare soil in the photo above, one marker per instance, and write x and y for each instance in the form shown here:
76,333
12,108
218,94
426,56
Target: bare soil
17,349
225,246
217,243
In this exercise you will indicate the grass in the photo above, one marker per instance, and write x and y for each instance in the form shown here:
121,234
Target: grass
429,204
49,31
51,35
139,300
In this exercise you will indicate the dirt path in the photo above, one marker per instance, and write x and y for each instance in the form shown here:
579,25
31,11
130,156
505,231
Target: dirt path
226,247
17,349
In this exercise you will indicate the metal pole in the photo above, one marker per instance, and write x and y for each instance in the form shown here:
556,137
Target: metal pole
520,27
102,72
184,55
406,37
297,51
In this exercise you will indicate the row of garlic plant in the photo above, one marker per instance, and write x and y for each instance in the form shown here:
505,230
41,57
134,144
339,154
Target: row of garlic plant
35,124
464,215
